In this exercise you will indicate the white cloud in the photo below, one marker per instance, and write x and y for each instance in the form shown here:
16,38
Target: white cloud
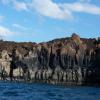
4,32
19,26
7,34
50,9
55,10
64,10
20,5
82,7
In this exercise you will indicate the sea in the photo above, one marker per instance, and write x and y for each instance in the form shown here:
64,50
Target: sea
37,91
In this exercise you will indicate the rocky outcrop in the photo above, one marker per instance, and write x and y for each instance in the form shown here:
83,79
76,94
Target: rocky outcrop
69,61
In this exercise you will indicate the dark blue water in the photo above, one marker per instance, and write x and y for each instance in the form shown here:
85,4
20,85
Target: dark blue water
25,91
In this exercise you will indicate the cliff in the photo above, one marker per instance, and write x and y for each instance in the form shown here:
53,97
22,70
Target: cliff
69,61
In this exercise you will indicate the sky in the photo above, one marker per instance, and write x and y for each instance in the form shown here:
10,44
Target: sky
44,20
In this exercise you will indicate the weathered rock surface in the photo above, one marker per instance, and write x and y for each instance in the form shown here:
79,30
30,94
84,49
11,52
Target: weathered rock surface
69,61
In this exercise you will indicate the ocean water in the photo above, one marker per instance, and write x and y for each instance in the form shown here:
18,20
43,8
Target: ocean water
33,91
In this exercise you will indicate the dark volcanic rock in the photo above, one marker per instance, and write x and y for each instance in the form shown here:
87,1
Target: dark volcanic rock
69,61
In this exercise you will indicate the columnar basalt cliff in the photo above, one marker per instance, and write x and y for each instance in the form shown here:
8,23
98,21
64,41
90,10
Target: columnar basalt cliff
68,61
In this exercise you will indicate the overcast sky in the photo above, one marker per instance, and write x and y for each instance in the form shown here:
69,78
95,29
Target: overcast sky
44,20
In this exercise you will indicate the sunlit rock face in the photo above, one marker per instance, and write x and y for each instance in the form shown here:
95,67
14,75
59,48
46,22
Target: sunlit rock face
68,61
4,64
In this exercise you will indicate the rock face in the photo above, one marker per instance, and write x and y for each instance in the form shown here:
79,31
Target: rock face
68,61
